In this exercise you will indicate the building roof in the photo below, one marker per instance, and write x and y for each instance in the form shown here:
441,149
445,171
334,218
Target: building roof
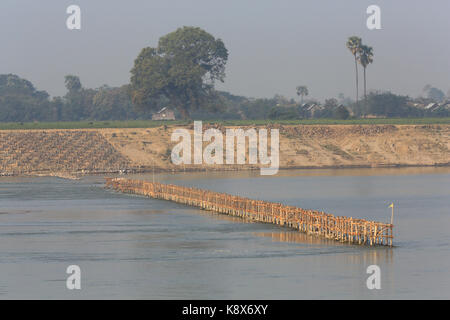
314,106
431,106
162,110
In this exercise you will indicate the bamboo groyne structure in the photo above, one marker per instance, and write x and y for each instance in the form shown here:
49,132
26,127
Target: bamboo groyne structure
343,229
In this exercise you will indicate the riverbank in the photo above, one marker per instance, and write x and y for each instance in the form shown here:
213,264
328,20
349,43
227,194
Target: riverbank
74,152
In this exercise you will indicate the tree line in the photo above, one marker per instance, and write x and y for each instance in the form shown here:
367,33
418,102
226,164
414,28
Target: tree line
20,101
180,73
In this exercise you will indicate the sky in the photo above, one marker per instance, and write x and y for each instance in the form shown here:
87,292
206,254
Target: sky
274,45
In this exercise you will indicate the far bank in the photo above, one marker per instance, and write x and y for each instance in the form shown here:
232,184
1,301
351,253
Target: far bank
68,152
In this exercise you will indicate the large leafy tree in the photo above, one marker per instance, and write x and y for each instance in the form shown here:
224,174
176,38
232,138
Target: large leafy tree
72,83
182,69
20,101
365,58
387,104
78,100
433,93
114,103
354,45
341,113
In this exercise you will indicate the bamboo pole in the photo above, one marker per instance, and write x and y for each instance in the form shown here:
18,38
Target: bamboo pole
320,224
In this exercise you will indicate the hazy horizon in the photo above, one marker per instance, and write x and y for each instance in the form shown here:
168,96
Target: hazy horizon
273,46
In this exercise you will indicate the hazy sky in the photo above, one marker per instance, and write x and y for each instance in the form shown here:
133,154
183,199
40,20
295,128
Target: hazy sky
274,45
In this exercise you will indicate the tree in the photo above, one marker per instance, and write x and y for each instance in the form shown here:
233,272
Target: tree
283,113
331,103
72,83
183,69
56,105
281,100
354,44
258,108
433,93
341,112
20,101
328,110
302,91
387,104
365,58
78,101
113,103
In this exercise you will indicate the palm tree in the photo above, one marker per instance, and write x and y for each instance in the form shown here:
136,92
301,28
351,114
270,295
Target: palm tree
302,91
365,58
354,45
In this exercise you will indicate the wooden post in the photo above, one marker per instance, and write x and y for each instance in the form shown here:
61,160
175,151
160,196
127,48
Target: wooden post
312,222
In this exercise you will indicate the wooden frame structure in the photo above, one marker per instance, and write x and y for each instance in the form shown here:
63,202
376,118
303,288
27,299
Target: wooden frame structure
343,229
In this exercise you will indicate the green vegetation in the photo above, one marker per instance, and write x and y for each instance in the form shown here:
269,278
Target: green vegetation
21,102
342,113
336,121
387,105
180,75
88,124
153,123
434,94
182,69
283,114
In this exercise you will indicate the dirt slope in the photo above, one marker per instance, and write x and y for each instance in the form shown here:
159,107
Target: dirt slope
309,146
62,152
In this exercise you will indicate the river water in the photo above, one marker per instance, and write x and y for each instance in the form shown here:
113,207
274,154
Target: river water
134,247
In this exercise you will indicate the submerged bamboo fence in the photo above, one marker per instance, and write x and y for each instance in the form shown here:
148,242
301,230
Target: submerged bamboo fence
343,229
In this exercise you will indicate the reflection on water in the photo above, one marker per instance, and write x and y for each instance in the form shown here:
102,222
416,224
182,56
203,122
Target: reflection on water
293,173
300,237
374,255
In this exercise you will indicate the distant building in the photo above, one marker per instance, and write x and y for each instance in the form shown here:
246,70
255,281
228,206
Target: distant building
308,110
313,109
431,106
164,114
